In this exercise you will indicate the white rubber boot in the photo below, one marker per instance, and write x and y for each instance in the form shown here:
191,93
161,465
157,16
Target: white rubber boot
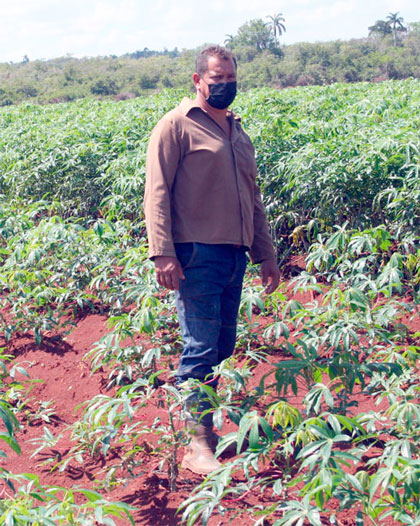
199,457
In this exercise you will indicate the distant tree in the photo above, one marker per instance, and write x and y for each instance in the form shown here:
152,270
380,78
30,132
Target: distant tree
414,28
28,91
381,28
142,54
5,98
257,34
25,59
229,40
69,73
174,53
277,25
148,81
395,22
106,86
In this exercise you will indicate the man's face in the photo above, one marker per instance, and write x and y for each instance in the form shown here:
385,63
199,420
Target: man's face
218,70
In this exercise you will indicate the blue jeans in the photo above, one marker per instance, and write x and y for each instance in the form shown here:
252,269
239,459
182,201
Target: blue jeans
208,302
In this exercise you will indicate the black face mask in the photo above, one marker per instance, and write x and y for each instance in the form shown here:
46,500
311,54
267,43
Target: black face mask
221,95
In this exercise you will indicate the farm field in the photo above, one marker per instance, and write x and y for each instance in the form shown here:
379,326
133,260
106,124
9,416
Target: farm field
321,396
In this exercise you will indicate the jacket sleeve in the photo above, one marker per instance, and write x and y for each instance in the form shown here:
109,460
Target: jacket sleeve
163,156
262,246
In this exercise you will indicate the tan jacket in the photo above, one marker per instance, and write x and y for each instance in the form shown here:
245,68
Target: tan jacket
200,186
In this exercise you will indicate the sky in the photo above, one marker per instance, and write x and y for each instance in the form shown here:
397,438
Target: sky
44,29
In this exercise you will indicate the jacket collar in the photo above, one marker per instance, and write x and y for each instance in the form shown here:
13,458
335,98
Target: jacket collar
187,105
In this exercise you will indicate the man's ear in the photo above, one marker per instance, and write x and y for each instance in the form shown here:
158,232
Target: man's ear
196,79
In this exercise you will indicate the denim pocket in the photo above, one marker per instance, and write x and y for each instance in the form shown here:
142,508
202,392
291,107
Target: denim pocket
185,252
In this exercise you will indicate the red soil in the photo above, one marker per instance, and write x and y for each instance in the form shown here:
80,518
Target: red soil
67,382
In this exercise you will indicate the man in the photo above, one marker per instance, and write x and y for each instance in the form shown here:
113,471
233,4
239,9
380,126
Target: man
203,213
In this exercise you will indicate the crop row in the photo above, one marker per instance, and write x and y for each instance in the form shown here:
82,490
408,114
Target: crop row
339,172
326,154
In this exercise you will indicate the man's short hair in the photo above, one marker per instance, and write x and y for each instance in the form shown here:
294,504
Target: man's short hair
201,61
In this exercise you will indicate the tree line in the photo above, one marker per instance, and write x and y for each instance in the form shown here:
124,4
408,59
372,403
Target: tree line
389,51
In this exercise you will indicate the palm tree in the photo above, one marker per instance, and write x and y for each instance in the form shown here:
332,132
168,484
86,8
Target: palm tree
395,22
229,40
276,24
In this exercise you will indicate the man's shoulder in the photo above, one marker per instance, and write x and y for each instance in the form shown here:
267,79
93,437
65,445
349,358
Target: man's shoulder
180,111
237,123
170,116
235,116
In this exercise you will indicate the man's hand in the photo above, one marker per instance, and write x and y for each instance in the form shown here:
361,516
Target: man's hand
270,275
168,272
